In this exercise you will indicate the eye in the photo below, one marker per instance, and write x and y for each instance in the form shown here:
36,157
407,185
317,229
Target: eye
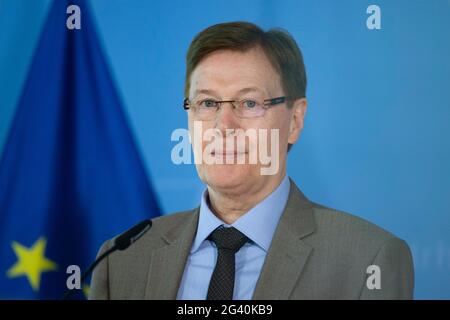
208,103
250,104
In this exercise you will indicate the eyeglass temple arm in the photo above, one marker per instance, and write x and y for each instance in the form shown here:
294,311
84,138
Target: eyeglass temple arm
186,104
274,101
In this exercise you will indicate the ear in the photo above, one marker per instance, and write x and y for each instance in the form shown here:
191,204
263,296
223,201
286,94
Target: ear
297,117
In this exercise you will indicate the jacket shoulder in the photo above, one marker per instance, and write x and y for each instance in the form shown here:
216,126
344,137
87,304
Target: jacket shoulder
161,225
347,228
172,220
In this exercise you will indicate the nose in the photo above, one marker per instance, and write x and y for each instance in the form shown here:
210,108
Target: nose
226,119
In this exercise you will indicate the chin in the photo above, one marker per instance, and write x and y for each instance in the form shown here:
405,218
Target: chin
231,177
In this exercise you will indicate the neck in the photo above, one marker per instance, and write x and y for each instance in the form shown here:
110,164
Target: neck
230,206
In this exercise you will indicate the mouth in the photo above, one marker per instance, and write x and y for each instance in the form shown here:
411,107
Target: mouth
227,153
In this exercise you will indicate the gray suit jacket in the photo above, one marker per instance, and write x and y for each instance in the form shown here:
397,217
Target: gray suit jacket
316,253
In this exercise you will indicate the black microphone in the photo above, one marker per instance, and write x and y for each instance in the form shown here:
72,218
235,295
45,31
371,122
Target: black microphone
122,242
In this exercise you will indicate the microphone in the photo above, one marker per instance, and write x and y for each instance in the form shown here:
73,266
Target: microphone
130,236
122,242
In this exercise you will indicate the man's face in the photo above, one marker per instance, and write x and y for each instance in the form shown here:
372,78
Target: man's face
228,75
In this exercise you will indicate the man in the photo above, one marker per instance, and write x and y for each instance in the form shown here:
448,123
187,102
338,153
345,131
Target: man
254,236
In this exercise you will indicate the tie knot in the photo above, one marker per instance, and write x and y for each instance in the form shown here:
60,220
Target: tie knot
228,238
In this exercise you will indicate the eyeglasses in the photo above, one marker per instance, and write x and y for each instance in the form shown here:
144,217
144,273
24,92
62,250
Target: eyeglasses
206,109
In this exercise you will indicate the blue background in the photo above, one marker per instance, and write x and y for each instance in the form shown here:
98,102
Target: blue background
376,136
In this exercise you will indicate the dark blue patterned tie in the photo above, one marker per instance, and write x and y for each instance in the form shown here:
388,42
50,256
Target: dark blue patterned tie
228,242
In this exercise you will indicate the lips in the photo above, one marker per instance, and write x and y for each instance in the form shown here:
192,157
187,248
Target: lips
227,153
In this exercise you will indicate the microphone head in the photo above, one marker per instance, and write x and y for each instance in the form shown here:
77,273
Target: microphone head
130,236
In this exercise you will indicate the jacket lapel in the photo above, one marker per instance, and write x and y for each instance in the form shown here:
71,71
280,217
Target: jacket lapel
288,253
168,262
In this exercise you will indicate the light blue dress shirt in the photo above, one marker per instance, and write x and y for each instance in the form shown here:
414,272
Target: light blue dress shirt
258,225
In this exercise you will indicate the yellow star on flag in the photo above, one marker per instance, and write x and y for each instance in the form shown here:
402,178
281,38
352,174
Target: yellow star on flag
86,288
31,262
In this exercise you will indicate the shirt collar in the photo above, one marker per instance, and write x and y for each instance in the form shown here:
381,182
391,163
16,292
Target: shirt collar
258,224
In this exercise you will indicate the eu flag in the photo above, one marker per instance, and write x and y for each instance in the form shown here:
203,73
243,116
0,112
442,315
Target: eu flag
70,174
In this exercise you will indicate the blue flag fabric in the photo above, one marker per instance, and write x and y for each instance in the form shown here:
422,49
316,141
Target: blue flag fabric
70,174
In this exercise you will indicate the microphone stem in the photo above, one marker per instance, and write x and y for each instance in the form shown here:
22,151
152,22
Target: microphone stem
91,267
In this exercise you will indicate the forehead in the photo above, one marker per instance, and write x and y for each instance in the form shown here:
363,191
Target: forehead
228,72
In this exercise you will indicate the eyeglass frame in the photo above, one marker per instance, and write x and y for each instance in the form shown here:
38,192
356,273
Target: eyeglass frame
268,103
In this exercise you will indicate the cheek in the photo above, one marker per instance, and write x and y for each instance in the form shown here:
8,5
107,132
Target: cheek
277,129
284,123
196,131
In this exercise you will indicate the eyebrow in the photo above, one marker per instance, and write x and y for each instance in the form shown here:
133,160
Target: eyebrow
205,91
214,93
250,89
